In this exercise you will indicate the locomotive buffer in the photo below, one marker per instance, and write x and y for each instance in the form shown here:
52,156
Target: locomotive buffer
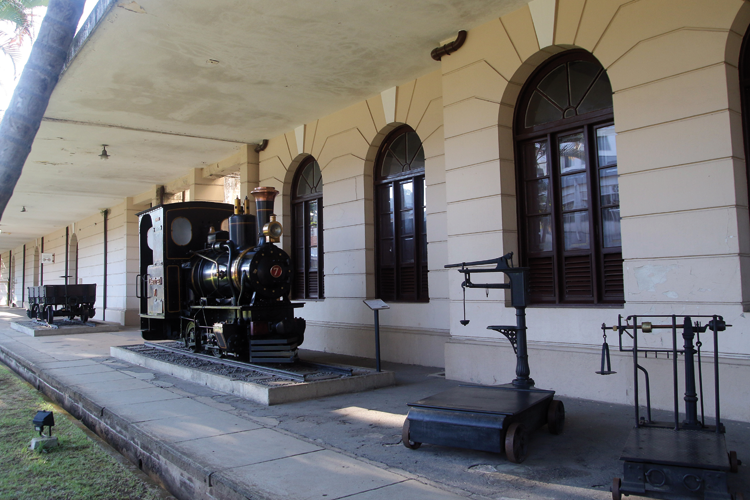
489,418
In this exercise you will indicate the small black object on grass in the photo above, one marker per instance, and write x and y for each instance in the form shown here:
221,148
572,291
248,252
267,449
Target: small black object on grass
44,419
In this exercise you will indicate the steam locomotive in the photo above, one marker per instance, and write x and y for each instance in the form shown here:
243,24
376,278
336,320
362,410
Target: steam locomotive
208,278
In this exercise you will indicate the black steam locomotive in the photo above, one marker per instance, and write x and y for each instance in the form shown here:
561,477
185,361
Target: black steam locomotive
207,277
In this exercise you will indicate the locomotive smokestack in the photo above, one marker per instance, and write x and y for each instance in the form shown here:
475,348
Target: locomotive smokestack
242,225
264,198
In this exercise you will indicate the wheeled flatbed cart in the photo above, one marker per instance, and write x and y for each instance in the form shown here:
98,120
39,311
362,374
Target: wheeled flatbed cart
48,301
675,460
489,418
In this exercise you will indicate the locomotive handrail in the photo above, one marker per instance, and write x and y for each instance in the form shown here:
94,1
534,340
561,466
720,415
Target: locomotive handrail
138,286
197,252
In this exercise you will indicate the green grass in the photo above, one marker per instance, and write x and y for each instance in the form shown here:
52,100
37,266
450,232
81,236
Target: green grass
78,469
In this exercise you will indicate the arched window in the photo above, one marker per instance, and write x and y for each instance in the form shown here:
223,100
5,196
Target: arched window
744,70
401,225
568,203
307,236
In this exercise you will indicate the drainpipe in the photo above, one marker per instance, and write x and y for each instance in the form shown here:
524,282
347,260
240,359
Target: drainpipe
10,272
23,278
105,213
67,245
449,48
41,266
67,249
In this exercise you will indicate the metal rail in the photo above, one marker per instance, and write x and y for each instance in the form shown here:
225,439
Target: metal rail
298,377
328,368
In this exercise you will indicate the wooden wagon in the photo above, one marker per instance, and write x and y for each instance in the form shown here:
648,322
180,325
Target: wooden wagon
48,301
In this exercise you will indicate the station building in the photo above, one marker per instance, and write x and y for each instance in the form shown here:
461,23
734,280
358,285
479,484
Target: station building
603,142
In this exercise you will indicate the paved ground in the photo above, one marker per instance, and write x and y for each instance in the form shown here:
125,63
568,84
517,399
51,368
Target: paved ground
214,445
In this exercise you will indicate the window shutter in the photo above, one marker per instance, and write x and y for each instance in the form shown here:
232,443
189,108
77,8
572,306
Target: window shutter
387,283
614,288
577,277
312,285
542,279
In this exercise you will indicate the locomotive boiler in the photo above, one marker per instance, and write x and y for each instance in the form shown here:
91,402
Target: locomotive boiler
211,275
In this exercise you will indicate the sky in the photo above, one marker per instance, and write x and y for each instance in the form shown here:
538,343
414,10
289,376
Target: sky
8,79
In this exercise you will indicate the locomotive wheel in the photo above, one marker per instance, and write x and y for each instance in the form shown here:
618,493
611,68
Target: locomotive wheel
31,311
84,317
738,496
50,314
616,495
516,449
412,445
216,351
189,336
556,417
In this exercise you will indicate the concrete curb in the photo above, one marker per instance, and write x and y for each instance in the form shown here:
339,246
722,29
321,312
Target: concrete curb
181,476
258,393
36,330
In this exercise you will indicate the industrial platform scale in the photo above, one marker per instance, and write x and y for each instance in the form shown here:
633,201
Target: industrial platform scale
489,418
674,460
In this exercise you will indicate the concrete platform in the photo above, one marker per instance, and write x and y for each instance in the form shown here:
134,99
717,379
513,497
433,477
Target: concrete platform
363,379
206,444
63,327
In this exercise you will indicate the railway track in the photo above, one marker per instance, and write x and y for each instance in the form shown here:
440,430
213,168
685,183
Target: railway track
303,370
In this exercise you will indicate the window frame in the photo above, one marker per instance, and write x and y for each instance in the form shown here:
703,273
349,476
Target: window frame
303,202
420,259
605,282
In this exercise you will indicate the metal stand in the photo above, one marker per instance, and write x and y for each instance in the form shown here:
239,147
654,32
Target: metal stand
495,418
675,460
376,305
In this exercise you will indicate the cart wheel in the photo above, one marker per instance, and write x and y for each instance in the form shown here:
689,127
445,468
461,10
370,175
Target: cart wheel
616,495
516,448
556,417
412,445
734,464
50,316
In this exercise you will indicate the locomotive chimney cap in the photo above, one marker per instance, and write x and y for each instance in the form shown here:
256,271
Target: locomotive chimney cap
265,193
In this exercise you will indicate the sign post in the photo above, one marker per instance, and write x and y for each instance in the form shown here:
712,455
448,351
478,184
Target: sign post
376,305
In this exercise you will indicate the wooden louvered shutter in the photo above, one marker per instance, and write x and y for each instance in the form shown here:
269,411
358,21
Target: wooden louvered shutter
542,280
613,289
578,278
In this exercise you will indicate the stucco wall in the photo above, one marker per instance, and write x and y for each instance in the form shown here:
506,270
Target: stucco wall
683,191
683,187
345,145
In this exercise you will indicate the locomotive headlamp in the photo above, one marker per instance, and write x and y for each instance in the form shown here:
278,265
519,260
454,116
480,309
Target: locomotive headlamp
273,230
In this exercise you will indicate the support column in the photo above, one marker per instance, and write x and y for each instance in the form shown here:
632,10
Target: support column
132,256
249,174
204,188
